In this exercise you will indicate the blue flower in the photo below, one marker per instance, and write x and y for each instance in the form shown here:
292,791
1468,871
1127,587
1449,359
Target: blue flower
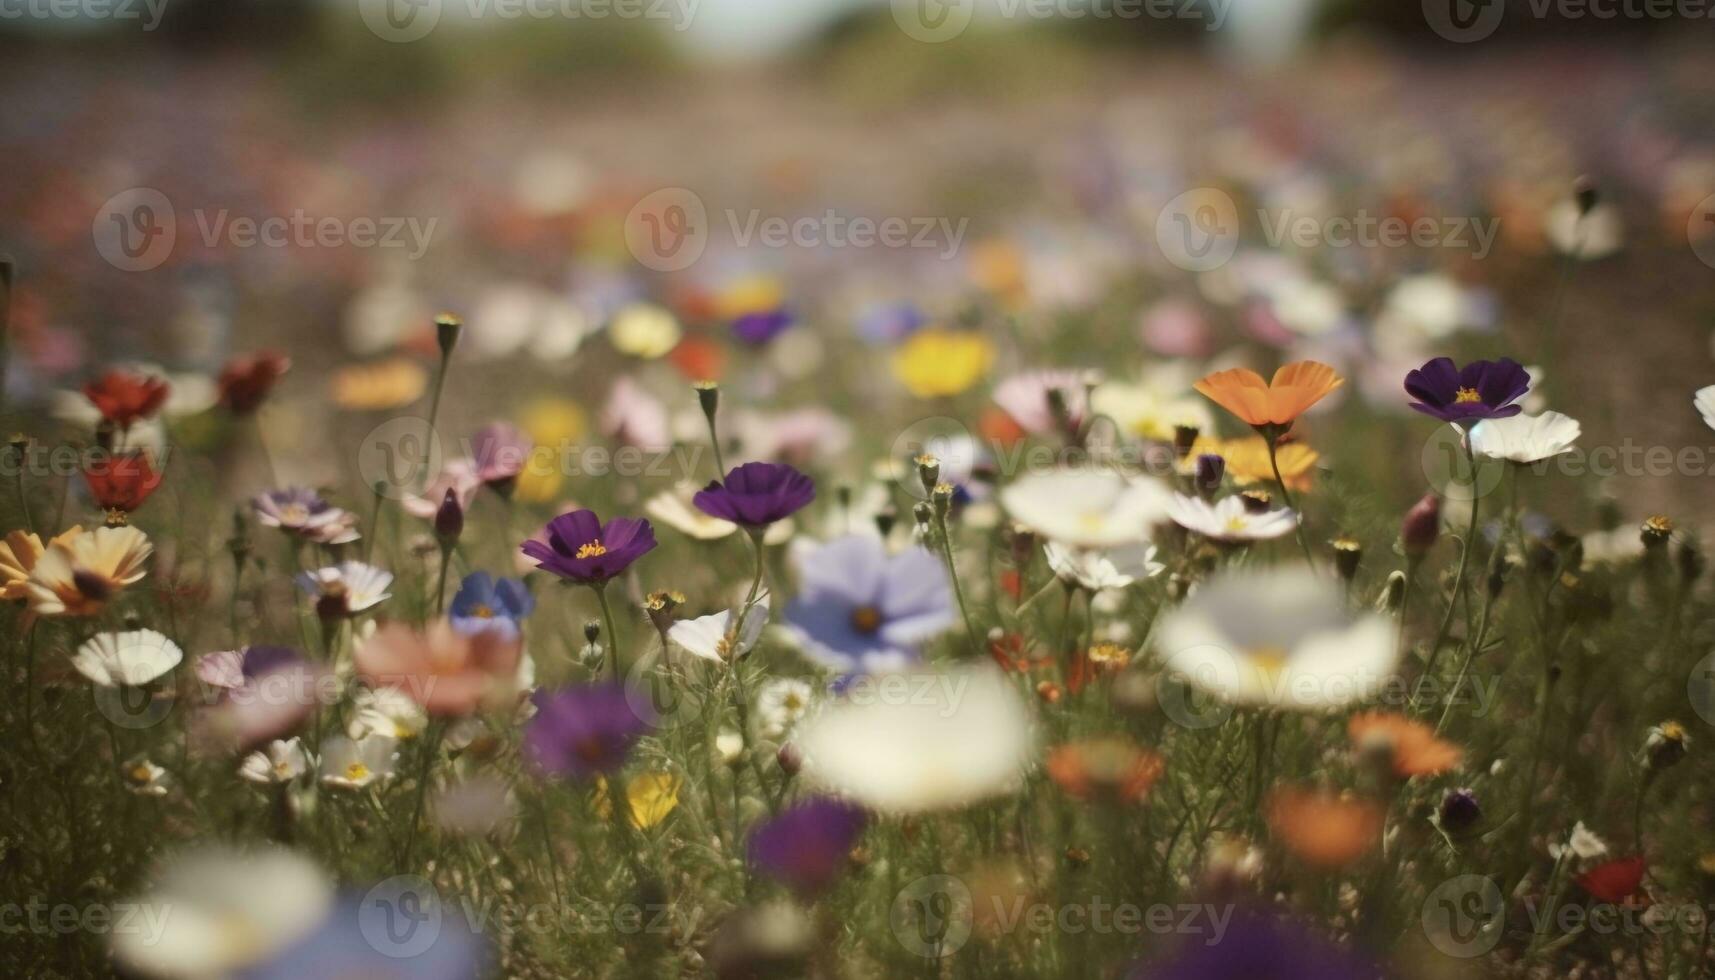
484,603
861,610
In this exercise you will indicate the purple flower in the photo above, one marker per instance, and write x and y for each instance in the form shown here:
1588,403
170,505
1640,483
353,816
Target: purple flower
1257,945
806,846
304,513
363,936
860,609
582,731
889,323
484,604
1481,390
760,327
756,494
582,549
501,450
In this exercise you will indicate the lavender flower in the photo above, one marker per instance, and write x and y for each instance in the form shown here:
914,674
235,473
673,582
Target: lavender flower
756,494
860,609
806,846
582,731
305,514
581,549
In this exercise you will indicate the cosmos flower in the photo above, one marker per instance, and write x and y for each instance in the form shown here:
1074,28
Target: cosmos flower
124,397
248,378
500,449
386,711
458,477
486,604
346,589
1409,746
958,738
77,576
278,762
713,637
304,514
644,331
634,417
1105,768
1324,829
379,387
356,763
759,327
582,549
264,692
1283,637
1247,460
1279,402
1028,399
1086,507
806,846
1704,402
1261,945
1525,438
120,482
1229,519
143,778
447,671
1480,390
1110,568
939,363
860,609
781,704
18,556
673,508
582,731
755,495
131,659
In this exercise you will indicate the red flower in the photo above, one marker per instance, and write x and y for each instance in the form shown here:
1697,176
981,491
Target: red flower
248,378
123,397
1009,651
699,359
1615,881
121,482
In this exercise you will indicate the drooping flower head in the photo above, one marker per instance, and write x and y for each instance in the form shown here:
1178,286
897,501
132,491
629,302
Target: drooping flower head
860,609
1276,403
806,846
755,495
1480,390
124,398
582,731
303,513
484,603
581,549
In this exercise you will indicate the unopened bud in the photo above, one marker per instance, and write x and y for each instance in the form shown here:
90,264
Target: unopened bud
1348,554
885,518
1656,531
1665,745
447,330
1459,812
928,471
1584,192
449,520
1421,527
1184,437
790,758
709,397
1257,501
1393,593
1207,479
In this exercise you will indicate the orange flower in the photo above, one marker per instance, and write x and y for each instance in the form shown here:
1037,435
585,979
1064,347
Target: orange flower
1295,388
1411,746
1323,829
1104,768
447,672
1247,460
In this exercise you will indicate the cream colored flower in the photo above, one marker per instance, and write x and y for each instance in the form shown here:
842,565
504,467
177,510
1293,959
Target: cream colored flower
77,575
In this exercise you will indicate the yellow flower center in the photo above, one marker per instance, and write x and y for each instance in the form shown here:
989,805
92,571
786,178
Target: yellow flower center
282,769
866,619
1464,395
356,772
1270,661
293,514
1236,523
140,774
481,611
591,550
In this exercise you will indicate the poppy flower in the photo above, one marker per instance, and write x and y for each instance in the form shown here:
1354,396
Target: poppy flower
1614,881
1104,768
123,397
120,483
1480,390
1323,829
806,846
248,378
1410,746
1278,403
757,494
582,549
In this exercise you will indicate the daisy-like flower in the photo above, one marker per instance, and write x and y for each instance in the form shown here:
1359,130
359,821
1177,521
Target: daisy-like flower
132,658
486,604
937,363
1409,746
581,549
1276,403
247,379
1283,637
346,589
860,609
1480,390
644,331
77,577
303,513
674,509
355,764
386,711
806,846
458,477
1096,569
1029,398
960,738
379,387
1324,829
756,495
279,762
715,637
1247,460
144,778
781,704
1525,439
1229,519
448,672
1582,843
582,731
18,556
123,397
1087,508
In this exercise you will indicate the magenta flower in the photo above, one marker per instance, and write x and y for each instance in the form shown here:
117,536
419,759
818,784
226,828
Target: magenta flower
501,450
1481,390
581,549
582,731
806,846
756,494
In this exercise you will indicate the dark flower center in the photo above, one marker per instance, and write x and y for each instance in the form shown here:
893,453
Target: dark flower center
91,585
866,619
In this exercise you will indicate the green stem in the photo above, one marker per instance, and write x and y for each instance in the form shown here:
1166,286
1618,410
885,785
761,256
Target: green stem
612,634
1286,495
953,573
1465,548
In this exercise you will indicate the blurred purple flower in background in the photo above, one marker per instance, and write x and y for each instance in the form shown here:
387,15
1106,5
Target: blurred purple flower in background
806,846
582,731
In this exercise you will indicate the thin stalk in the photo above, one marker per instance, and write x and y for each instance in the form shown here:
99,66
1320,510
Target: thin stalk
612,634
1465,548
1286,495
953,573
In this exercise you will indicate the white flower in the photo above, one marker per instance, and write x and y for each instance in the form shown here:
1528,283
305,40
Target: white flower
1282,637
1704,400
1098,569
280,762
712,638
1525,438
386,711
908,743
1581,844
674,509
132,658
1154,407
350,764
1592,236
781,704
1618,546
352,586
1087,508
1229,519
214,912
729,746
144,778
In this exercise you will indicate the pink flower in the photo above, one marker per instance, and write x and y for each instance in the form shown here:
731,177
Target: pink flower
1025,397
458,475
447,672
501,450
636,418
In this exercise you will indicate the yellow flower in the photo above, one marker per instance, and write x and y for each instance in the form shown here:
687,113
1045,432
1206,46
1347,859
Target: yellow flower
644,330
77,576
756,294
935,362
551,421
1247,460
649,797
18,556
1150,411
542,477
389,384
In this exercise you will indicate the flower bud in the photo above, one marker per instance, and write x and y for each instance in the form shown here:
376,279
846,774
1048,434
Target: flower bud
790,758
447,330
1584,192
1184,437
942,498
885,518
660,606
1348,554
924,515
1459,811
1207,479
709,397
1499,566
1656,531
1665,745
1257,501
1393,593
449,520
1421,527
592,631
928,471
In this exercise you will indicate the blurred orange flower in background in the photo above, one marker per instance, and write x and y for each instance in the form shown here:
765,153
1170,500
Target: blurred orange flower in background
1410,745
1108,768
377,387
1324,829
1279,402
